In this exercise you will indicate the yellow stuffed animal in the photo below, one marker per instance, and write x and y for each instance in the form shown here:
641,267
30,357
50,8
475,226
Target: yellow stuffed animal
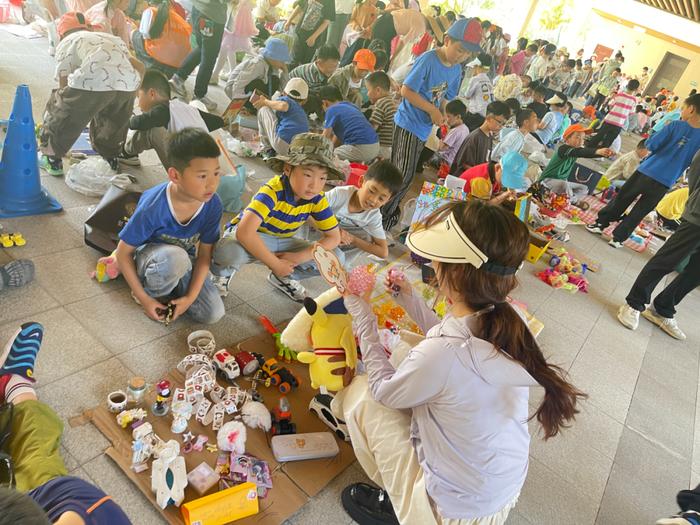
326,324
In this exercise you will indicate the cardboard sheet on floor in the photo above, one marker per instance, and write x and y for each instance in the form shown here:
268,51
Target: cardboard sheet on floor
293,483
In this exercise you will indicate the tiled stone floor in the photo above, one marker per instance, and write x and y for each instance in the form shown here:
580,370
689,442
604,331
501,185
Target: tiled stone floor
634,445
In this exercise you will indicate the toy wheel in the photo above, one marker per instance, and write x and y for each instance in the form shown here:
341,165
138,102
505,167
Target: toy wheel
275,379
285,387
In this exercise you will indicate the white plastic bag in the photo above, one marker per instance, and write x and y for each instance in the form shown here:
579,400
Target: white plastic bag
242,149
93,176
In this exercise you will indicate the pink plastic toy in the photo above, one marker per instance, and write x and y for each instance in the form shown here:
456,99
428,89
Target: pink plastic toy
395,275
361,280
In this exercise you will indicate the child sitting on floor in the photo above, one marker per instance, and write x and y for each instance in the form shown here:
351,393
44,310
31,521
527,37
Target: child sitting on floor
353,136
383,110
551,122
42,491
280,119
261,72
165,249
527,122
357,211
476,148
555,176
160,116
511,167
316,75
265,230
625,165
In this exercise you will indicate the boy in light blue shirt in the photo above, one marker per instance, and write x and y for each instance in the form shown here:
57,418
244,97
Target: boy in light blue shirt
433,81
552,120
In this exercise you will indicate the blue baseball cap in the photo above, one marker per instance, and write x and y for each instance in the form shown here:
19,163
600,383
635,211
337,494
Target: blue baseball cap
514,166
468,32
276,49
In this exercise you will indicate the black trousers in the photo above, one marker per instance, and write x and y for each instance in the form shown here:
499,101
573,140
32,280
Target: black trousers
684,243
207,35
649,191
604,137
598,100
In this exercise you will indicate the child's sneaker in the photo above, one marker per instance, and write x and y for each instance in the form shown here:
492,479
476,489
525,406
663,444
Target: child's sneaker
222,283
51,165
129,160
594,228
628,316
113,163
615,244
667,324
291,288
19,355
178,86
321,406
16,273
208,103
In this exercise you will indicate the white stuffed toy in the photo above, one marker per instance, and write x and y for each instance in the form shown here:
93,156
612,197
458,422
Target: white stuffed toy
256,415
231,437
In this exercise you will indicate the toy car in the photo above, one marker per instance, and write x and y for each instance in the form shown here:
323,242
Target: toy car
227,364
280,376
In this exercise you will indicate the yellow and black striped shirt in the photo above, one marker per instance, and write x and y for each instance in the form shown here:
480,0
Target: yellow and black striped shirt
282,215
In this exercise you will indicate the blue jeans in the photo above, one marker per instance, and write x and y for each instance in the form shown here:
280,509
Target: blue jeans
166,269
230,255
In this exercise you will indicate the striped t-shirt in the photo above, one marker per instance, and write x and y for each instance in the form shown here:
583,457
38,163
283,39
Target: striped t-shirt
382,119
282,215
621,106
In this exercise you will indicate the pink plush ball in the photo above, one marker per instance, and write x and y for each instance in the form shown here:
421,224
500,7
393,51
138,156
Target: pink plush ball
361,280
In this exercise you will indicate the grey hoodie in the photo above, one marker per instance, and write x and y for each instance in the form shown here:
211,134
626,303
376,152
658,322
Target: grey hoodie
469,405
692,207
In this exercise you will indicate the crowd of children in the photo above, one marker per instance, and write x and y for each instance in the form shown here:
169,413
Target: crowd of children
481,111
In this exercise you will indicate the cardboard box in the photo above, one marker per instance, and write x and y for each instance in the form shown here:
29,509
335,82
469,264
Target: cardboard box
223,506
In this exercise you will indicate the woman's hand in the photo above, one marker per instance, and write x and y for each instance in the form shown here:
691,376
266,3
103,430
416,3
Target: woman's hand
398,285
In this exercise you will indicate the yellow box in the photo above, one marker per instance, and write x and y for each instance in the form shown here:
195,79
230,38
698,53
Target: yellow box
538,246
223,506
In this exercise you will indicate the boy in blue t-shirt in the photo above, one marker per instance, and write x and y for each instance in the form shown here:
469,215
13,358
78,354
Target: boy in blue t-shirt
672,149
345,125
158,253
433,81
279,120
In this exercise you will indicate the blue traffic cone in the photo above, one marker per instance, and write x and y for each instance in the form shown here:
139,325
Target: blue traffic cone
21,192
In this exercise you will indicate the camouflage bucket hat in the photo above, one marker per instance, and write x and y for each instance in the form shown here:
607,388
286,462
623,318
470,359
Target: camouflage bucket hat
306,149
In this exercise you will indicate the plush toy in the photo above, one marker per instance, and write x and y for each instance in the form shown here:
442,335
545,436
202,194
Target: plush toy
231,437
106,269
327,326
256,415
361,280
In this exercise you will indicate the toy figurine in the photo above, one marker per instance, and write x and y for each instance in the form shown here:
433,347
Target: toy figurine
168,475
161,407
127,417
182,412
142,447
282,419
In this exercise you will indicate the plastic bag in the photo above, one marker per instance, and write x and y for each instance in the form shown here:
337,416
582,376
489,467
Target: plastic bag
93,176
242,149
231,188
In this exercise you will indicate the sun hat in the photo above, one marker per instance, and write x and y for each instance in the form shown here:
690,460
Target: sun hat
308,149
276,49
438,24
468,32
513,166
297,88
556,99
71,21
575,128
365,59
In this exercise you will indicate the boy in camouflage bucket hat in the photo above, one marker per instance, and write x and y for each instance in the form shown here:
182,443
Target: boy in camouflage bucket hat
265,229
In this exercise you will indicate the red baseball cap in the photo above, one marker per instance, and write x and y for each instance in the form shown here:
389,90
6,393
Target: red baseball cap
468,31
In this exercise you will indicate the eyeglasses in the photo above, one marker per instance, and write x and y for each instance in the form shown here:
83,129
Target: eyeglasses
500,122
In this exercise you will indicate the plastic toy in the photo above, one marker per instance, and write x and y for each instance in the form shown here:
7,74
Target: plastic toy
106,269
331,336
247,362
395,275
168,475
361,280
226,364
282,419
8,240
143,446
231,437
280,376
161,407
283,351
182,412
127,417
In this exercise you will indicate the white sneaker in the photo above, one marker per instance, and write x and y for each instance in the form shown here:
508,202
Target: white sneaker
628,316
291,288
178,87
667,324
208,103
594,228
222,283
615,244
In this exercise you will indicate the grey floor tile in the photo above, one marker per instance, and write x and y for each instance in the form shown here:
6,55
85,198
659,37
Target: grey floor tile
547,499
114,482
66,348
238,324
560,304
5,256
68,198
79,472
21,304
68,459
76,217
74,285
128,326
559,344
276,306
610,362
602,393
154,359
326,506
251,282
49,234
84,442
515,518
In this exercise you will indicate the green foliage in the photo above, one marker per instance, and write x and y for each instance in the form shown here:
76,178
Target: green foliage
554,17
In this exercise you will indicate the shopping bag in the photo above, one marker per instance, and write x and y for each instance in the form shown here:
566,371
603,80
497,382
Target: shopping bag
102,227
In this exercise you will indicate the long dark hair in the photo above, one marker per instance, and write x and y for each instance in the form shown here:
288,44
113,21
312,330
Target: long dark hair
505,239
159,21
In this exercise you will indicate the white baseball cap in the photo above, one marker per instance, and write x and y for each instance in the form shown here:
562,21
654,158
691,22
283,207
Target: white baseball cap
297,88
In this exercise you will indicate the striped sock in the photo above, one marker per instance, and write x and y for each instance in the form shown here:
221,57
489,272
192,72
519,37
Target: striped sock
16,386
19,354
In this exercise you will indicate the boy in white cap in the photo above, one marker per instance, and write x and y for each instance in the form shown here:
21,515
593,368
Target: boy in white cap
280,119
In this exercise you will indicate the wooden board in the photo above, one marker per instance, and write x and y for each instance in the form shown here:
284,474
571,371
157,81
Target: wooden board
293,483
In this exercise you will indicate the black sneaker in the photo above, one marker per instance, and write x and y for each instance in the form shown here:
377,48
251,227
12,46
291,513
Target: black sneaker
129,160
291,288
368,505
